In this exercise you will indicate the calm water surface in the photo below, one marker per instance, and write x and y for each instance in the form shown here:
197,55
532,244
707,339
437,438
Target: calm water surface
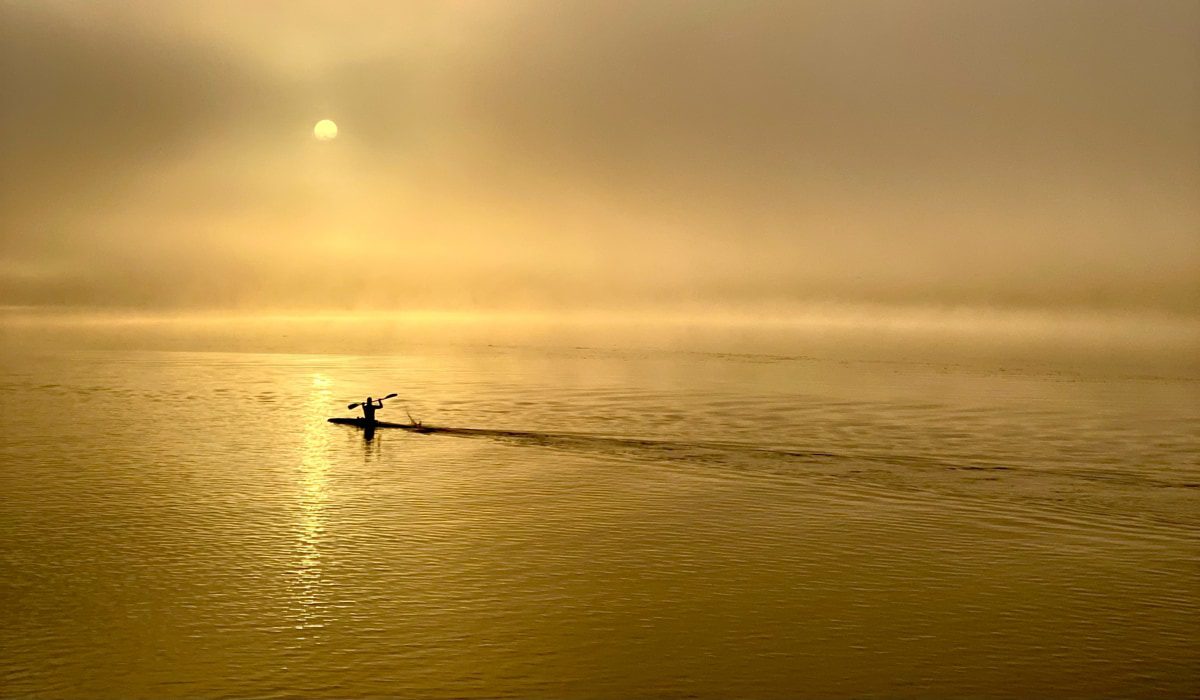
623,523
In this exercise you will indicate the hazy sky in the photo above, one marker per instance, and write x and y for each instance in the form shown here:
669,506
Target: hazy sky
159,154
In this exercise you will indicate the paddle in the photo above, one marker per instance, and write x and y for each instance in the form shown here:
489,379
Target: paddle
356,405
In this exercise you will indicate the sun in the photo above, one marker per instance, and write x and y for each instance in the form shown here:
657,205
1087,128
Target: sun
325,130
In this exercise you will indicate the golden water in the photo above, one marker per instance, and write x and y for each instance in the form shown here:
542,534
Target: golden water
640,523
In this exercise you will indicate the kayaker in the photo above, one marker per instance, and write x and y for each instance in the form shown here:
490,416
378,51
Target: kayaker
369,407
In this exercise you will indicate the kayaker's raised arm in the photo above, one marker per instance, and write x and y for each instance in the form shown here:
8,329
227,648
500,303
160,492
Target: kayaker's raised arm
370,405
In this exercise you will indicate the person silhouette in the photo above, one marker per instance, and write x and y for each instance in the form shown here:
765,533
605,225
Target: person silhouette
369,407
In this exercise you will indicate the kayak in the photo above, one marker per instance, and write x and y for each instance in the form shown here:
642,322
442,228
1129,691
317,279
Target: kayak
364,423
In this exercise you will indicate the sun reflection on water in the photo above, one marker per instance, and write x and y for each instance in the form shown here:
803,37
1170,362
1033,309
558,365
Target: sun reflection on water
314,474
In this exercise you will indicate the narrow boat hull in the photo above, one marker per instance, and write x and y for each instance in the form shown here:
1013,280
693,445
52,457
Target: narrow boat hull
364,423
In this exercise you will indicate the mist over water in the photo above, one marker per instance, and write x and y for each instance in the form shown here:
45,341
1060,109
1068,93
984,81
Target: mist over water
1071,341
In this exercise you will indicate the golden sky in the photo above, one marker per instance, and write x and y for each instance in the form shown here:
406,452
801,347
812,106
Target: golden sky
612,154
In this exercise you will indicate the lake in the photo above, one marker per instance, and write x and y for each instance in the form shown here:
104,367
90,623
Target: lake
622,519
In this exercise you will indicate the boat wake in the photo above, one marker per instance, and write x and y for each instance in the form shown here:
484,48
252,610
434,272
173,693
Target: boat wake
611,445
